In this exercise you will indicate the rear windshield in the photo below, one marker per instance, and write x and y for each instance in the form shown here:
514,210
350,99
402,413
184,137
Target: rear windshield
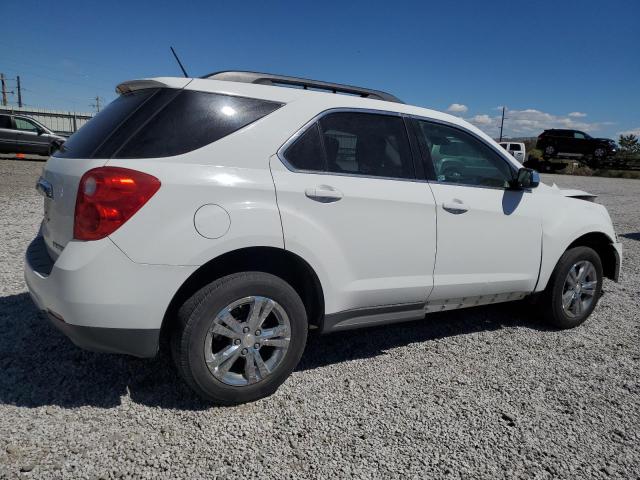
162,122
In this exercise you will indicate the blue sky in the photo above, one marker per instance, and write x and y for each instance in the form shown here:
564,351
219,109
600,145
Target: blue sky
552,63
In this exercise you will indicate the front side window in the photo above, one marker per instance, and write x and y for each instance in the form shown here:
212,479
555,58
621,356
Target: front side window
579,135
458,157
25,125
366,144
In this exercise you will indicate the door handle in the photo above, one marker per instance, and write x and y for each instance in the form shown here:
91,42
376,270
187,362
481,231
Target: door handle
323,194
455,206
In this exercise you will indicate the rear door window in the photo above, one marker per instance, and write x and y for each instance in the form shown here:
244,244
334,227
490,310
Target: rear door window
515,147
367,144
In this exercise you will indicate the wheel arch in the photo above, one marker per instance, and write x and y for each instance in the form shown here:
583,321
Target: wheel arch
603,246
287,265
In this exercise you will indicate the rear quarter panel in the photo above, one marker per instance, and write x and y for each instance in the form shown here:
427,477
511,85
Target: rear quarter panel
232,173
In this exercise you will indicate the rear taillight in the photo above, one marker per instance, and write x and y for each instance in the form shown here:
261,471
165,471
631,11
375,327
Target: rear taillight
107,198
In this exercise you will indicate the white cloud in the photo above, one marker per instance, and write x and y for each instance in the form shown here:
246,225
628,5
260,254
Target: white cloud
531,122
457,108
483,120
577,114
633,131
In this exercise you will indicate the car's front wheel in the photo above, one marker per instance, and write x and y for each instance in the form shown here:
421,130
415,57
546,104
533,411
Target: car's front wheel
574,288
600,153
240,337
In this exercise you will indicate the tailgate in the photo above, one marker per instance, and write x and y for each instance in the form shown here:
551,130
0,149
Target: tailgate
59,187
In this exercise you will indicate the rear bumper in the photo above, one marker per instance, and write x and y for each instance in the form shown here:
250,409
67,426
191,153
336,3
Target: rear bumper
130,341
99,298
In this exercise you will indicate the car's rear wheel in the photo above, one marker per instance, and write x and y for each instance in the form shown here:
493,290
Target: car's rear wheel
574,288
549,151
240,337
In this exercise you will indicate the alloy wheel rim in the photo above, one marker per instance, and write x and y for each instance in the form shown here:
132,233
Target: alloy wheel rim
549,149
247,341
599,152
579,288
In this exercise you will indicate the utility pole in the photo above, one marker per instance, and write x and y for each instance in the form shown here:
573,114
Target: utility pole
19,91
97,104
502,123
4,90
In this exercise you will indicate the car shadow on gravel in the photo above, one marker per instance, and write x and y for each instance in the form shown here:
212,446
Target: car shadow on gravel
632,235
375,341
40,367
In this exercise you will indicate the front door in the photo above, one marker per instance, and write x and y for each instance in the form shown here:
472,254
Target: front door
29,138
489,237
351,205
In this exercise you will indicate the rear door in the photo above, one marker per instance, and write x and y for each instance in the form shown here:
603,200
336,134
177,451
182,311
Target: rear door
352,206
489,237
7,134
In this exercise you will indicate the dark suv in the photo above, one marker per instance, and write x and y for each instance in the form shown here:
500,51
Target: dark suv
20,134
559,143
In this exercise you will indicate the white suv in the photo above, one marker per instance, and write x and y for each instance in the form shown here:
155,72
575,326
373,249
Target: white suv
233,213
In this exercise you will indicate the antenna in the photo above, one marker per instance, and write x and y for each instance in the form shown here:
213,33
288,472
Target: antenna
179,62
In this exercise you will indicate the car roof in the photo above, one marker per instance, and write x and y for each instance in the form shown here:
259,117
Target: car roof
312,99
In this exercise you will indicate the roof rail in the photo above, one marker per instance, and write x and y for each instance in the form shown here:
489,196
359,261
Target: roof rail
305,83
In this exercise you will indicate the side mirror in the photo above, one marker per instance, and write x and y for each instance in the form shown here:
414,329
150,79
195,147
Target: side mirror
527,178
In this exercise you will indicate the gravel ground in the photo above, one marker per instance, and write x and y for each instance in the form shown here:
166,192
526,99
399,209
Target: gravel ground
479,393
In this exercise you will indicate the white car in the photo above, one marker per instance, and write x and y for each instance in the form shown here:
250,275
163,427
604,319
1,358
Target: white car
234,213
517,149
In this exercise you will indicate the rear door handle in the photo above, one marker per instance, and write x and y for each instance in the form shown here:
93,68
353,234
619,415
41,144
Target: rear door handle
455,206
323,194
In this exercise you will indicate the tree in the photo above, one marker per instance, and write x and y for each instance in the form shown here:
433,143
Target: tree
629,143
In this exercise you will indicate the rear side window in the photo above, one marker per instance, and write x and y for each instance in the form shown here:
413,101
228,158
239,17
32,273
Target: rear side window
85,141
515,147
5,121
367,144
193,120
163,123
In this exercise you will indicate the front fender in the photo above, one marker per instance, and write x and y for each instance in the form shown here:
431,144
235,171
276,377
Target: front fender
568,220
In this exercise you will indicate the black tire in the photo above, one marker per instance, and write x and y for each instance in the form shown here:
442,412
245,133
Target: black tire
551,301
549,151
196,316
53,148
600,153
